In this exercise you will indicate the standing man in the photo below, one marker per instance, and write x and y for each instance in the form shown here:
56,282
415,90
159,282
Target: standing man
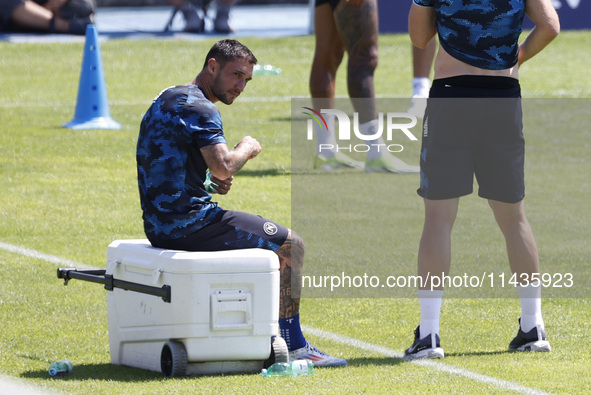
349,26
181,138
478,59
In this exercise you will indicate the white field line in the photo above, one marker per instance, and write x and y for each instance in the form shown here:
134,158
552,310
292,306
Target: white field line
439,366
143,102
45,257
349,341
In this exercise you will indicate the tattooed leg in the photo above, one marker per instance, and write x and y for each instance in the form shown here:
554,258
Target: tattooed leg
291,260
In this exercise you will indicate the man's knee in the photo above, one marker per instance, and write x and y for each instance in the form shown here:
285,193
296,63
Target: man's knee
291,253
295,240
336,57
329,58
366,58
372,58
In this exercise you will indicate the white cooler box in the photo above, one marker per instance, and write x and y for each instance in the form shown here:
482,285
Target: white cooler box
222,315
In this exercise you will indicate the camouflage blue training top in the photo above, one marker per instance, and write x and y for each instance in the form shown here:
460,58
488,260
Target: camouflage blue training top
481,33
170,167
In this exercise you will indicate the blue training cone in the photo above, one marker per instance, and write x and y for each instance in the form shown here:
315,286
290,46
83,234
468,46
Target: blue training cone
92,107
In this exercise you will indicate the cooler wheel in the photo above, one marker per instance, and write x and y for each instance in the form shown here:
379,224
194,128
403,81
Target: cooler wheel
279,352
173,360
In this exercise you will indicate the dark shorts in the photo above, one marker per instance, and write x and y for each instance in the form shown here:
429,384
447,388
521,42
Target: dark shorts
79,8
473,127
235,230
333,3
7,7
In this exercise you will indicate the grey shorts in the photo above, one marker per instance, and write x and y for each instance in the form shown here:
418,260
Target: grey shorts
473,127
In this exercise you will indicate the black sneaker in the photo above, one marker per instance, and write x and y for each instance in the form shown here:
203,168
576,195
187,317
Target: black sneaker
534,340
427,347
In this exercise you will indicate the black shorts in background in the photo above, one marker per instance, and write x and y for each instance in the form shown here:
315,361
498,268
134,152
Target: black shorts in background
333,3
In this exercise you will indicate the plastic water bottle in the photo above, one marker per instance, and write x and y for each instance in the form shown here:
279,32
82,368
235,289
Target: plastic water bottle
266,69
209,184
300,367
60,368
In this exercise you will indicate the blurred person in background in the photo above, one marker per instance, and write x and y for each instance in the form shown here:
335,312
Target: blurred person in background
195,22
50,16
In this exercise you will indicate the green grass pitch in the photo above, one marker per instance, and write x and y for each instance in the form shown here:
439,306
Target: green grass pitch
70,193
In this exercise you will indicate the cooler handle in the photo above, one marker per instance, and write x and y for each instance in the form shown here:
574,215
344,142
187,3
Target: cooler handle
100,276
224,303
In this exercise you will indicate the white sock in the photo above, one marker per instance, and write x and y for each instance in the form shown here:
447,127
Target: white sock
430,302
326,138
420,87
531,307
377,147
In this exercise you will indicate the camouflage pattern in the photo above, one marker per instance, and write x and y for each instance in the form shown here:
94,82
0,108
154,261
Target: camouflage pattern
481,33
170,167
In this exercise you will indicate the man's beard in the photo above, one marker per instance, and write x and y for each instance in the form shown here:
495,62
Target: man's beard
221,96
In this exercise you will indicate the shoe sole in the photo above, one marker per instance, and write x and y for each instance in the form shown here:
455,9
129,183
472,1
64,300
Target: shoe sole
373,169
332,365
431,353
320,364
540,346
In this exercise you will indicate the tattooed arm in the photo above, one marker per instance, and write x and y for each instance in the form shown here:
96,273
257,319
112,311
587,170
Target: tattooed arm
223,163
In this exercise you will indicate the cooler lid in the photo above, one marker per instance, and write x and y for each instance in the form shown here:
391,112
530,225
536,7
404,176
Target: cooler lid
140,253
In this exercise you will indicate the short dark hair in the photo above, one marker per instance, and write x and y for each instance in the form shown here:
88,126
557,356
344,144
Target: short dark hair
227,50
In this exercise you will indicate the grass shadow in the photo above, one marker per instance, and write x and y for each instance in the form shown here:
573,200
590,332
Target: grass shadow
264,172
477,353
383,361
102,371
119,373
393,361
285,119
